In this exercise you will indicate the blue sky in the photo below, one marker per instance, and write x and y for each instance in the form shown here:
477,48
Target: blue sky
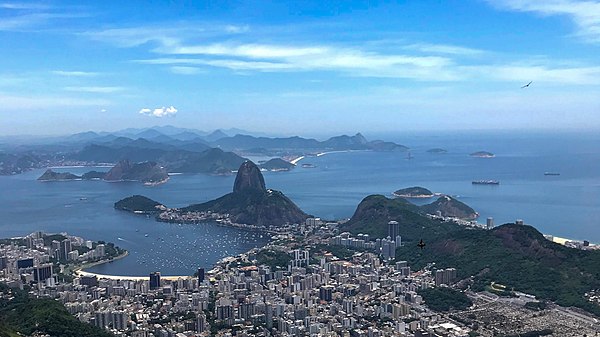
299,67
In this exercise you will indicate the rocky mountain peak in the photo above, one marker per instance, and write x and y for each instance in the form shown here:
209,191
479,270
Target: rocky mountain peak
249,177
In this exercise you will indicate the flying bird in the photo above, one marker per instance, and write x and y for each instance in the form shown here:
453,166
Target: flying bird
527,85
421,244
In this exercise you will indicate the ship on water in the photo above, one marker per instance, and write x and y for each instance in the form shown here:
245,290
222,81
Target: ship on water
551,173
485,182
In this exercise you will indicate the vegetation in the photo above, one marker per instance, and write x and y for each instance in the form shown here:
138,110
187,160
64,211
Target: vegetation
137,203
21,314
277,164
445,299
537,333
518,257
50,175
448,206
535,305
255,207
275,259
375,211
342,252
415,191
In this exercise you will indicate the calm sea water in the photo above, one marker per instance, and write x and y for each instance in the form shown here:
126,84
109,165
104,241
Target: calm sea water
567,205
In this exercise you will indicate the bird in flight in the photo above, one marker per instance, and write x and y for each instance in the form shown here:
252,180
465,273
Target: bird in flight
527,85
421,244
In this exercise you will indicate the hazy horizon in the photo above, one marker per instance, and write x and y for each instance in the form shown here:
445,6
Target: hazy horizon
309,68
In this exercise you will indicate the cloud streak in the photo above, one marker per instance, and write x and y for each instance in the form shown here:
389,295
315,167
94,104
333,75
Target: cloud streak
68,73
584,14
96,90
159,112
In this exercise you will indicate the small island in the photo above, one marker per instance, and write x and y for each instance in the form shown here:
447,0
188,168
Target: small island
414,192
437,151
139,204
482,154
277,164
50,175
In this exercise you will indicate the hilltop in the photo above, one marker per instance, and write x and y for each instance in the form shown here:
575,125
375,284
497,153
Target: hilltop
447,206
517,256
375,211
252,203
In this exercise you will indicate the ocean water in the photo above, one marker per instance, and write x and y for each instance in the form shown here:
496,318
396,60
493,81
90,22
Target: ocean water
567,205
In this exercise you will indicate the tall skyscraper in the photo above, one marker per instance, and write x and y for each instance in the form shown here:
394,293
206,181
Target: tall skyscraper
393,229
490,223
154,280
201,323
200,275
42,273
65,249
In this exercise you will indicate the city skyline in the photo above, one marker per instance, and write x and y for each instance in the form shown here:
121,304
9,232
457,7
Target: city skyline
416,65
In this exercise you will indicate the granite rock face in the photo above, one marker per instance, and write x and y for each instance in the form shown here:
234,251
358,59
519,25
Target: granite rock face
249,177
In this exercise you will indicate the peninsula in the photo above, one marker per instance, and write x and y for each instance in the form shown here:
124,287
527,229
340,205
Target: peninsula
250,203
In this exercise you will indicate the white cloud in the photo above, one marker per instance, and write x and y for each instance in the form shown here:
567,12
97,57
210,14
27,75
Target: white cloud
22,6
445,49
585,14
95,90
159,112
161,35
68,73
182,70
269,58
539,73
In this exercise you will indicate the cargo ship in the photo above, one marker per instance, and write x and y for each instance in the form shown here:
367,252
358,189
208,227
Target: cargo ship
485,182
551,173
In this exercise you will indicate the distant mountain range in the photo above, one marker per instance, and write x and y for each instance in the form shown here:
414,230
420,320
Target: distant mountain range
176,149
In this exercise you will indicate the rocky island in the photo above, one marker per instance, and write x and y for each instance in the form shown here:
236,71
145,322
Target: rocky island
50,175
437,151
482,154
414,192
139,204
277,164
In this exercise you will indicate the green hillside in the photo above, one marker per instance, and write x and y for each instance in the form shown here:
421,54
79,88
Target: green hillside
22,315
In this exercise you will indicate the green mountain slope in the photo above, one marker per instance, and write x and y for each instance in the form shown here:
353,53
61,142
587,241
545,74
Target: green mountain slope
22,314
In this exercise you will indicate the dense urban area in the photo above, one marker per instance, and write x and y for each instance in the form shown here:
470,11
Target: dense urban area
311,279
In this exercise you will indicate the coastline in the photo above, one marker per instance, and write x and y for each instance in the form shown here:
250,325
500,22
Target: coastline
97,263
80,271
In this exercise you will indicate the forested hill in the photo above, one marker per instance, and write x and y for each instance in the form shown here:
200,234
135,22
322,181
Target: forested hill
21,315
